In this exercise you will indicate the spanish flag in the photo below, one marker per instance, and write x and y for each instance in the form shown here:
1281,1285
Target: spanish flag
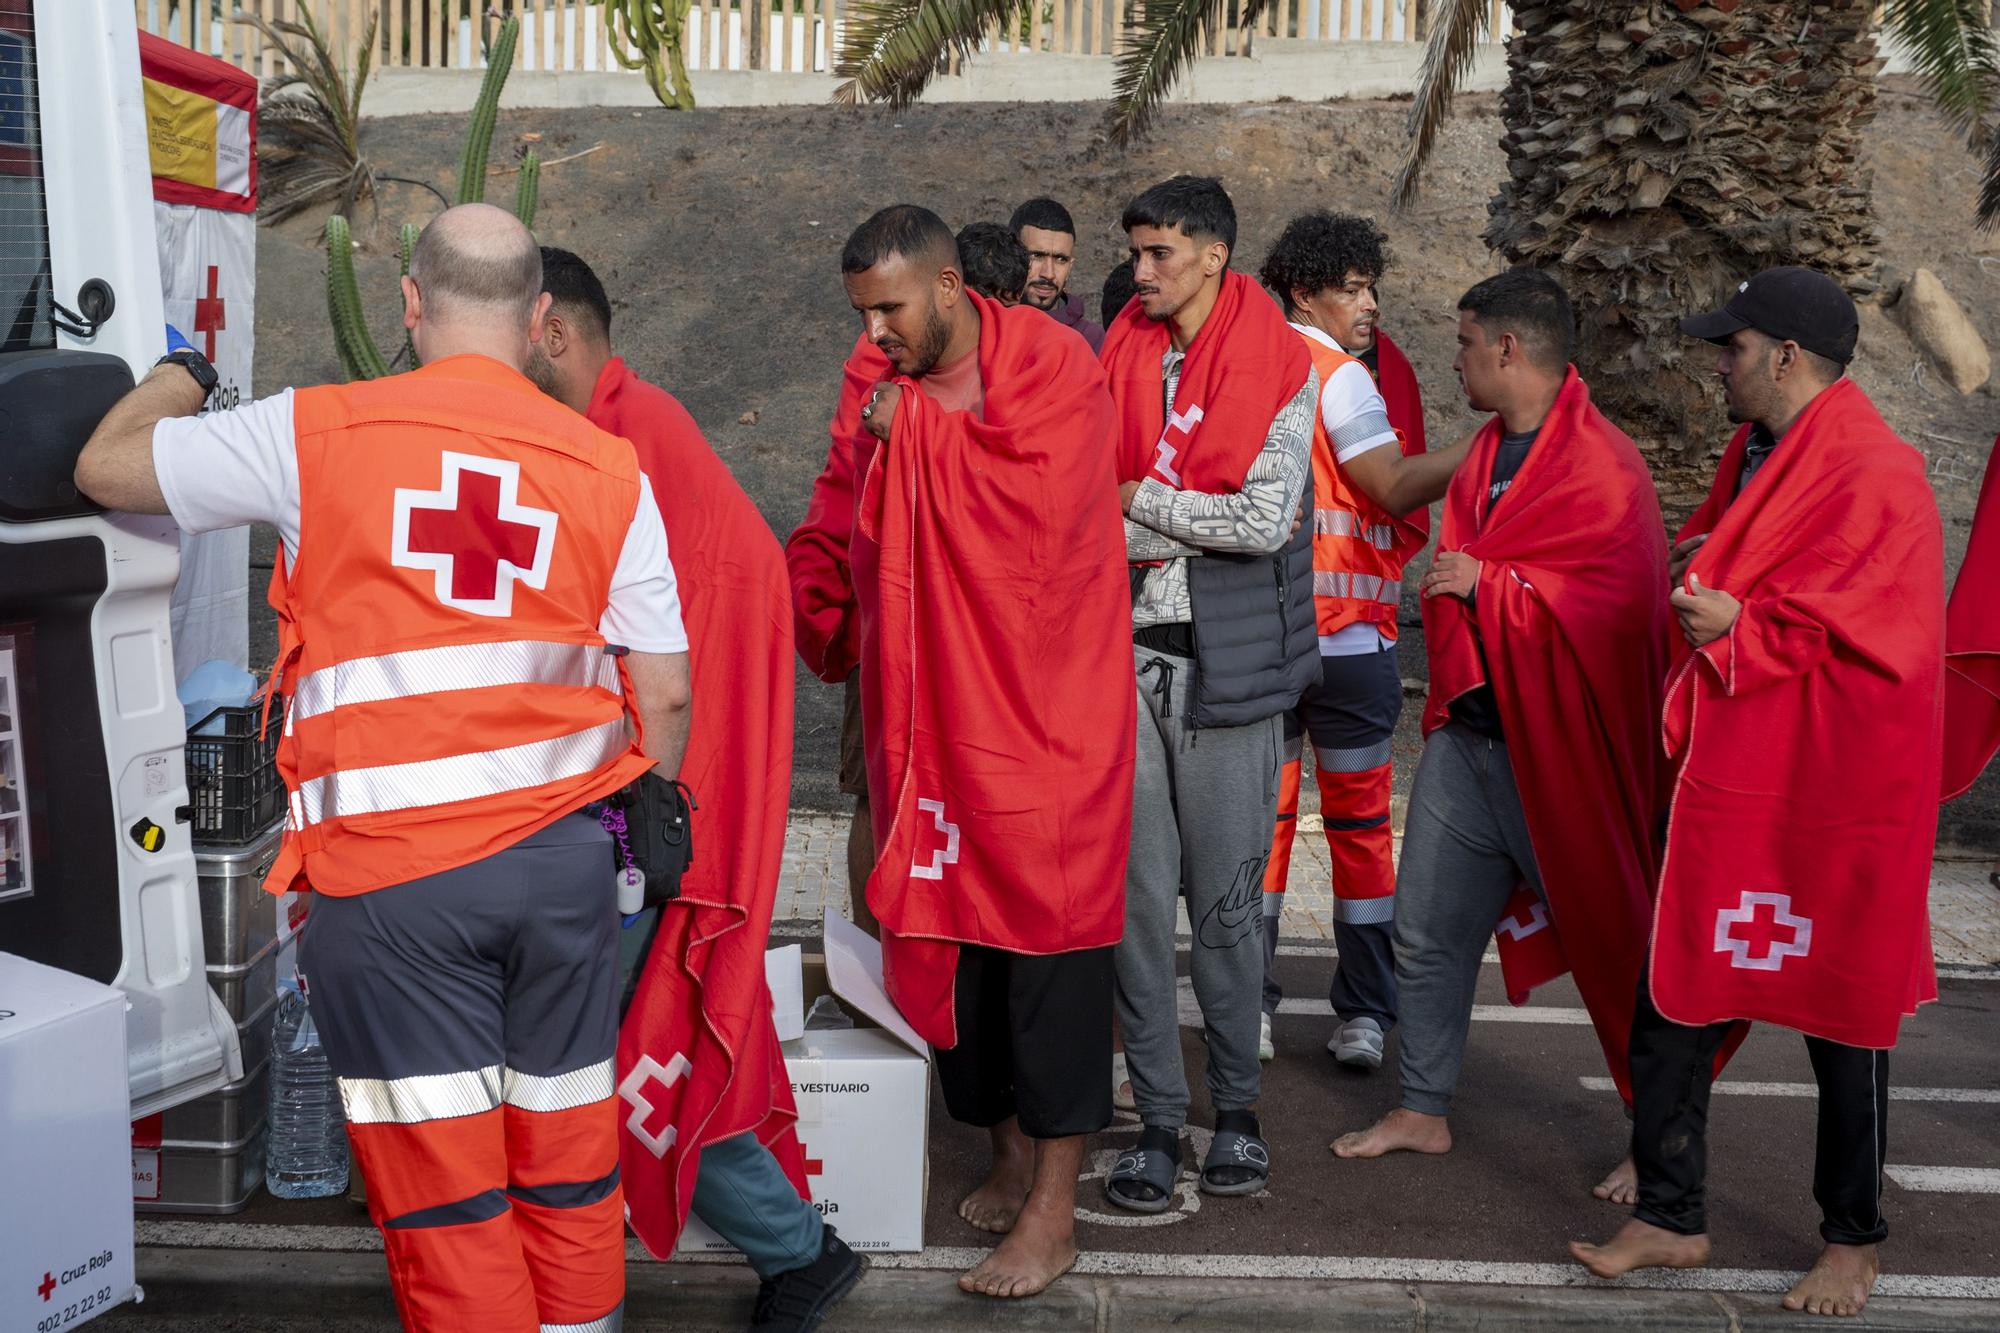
201,120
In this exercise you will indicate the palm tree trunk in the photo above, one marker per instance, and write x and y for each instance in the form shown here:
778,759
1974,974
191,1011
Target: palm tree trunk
1658,154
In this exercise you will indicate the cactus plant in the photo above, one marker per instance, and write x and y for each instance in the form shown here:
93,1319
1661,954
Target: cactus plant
654,30
528,189
360,358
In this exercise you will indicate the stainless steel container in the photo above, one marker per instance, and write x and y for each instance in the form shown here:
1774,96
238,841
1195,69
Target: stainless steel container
253,1034
230,1114
247,985
238,919
212,1178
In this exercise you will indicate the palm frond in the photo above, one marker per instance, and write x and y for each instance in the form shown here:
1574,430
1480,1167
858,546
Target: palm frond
1952,46
1989,187
1457,26
310,119
892,49
1164,39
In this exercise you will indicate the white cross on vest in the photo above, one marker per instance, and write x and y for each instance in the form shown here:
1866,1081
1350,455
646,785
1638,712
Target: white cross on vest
474,535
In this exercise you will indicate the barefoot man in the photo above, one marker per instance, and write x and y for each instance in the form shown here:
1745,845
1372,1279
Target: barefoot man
1803,712
1535,800
988,561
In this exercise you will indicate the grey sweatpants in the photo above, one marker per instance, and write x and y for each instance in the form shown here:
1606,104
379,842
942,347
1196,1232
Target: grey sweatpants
1203,804
1465,850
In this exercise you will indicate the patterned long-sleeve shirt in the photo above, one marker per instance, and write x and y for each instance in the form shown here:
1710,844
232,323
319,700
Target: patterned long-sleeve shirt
1169,525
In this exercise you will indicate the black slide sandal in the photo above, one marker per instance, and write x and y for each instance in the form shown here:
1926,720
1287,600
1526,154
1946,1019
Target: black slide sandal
1143,1179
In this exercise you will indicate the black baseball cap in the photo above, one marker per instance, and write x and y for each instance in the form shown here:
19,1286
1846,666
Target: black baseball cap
1793,304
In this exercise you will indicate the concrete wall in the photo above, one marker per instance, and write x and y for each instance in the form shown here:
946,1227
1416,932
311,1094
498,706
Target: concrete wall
1299,71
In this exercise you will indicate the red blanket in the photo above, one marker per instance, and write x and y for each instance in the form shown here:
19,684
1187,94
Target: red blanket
1241,369
1797,875
698,1058
823,614
996,666
1405,401
1972,647
1572,612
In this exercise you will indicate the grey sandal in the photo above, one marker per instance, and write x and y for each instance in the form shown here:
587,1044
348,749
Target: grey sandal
1234,1149
1142,1181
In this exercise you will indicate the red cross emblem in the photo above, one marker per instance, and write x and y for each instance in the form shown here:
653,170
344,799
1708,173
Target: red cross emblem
1774,932
814,1165
48,1286
209,315
946,853
1173,440
474,534
647,1072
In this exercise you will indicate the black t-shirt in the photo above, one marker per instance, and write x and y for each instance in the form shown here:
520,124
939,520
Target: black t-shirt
1478,709
1756,452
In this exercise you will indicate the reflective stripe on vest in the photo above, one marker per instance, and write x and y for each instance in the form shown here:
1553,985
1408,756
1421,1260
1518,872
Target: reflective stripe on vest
456,666
1340,523
461,777
1364,587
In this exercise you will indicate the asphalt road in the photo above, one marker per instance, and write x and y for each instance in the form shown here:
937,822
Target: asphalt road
1536,1125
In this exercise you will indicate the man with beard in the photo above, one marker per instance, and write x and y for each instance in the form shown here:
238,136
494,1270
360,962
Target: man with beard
1372,487
1045,229
989,596
1216,399
1544,613
697,992
1803,714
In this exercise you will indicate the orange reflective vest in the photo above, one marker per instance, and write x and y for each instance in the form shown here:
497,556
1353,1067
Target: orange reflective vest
449,691
1358,547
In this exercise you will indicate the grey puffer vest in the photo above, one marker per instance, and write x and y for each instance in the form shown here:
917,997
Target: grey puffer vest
1256,640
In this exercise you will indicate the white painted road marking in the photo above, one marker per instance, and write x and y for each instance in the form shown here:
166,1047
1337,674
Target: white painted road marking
1189,1010
1946,1179
206,1235
1745,1088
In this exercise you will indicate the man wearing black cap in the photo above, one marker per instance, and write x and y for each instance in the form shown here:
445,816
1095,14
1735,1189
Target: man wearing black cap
1802,716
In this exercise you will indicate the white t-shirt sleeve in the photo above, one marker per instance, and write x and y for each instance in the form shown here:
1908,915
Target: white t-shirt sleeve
1351,408
645,609
225,469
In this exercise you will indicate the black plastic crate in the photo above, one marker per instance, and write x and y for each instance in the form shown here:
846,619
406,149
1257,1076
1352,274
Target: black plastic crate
232,775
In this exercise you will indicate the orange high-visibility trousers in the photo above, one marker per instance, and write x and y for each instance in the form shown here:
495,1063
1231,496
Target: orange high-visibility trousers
471,1019
1350,718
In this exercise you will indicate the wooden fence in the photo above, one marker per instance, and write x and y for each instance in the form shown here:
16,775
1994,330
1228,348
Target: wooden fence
799,36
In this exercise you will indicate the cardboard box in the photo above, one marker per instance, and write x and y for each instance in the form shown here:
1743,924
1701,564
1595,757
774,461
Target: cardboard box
65,1134
864,1106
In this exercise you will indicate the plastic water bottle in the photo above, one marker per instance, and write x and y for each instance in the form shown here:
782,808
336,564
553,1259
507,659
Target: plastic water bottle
306,1156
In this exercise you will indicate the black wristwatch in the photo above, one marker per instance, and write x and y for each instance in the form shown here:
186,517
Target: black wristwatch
196,365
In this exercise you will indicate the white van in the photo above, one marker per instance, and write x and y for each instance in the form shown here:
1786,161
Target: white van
97,876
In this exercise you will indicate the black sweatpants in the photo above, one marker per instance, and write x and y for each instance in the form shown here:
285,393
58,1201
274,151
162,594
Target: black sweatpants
1673,1067
1034,1041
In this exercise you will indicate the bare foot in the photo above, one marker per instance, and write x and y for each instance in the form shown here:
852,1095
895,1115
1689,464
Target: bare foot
1621,1186
998,1200
1641,1245
1839,1284
1040,1249
1401,1130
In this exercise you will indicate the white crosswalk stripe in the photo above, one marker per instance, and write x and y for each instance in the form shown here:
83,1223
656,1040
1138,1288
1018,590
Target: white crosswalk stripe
1748,1088
1946,1179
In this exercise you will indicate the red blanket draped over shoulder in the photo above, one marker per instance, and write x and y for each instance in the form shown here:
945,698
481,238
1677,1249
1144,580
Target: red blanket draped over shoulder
1797,875
1397,383
1972,647
989,563
824,619
1241,369
698,1058
1571,609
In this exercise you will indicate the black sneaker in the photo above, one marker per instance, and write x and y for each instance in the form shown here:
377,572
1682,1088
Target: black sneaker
797,1301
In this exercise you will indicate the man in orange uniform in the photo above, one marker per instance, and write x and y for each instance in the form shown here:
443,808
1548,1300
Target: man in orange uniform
1370,504
475,604
717,1138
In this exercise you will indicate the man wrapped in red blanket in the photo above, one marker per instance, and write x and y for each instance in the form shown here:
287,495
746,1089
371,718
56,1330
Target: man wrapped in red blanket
1533,808
1803,713
707,1116
1972,647
987,561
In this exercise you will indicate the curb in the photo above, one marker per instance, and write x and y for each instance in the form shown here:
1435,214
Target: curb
224,1291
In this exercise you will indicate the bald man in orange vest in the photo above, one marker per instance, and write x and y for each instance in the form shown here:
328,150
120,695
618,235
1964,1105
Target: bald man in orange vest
480,634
